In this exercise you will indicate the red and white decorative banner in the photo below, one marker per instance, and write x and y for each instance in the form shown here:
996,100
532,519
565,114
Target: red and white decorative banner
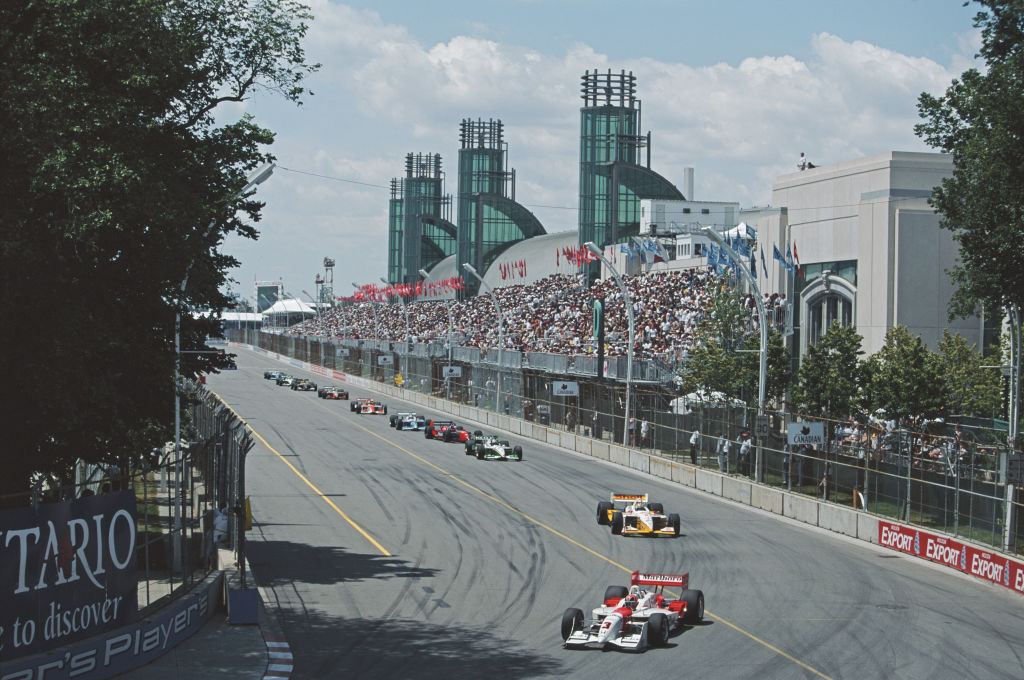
952,553
512,270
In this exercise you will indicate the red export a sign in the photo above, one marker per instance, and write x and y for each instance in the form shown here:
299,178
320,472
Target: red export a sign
990,566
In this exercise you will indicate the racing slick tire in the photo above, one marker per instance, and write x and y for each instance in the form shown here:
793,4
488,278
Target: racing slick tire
602,512
657,630
385,410
694,600
480,453
426,433
470,444
518,452
572,620
478,433
673,522
615,592
506,443
617,523
657,507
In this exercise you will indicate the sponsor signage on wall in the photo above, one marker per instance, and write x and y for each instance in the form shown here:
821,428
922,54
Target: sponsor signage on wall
385,360
952,553
451,371
565,389
67,572
812,434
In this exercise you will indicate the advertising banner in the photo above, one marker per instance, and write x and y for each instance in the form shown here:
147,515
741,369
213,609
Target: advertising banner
565,389
806,433
67,572
952,553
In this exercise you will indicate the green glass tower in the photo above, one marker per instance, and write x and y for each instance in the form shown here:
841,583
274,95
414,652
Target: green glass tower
420,231
612,178
489,218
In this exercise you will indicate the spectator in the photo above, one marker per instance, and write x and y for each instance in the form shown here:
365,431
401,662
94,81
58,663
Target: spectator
744,459
570,420
723,454
632,430
220,523
694,445
645,432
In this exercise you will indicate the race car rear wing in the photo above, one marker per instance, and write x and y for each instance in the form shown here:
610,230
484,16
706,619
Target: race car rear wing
628,497
677,580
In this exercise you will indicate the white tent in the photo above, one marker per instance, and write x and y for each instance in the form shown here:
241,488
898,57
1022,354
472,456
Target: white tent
741,230
289,306
702,399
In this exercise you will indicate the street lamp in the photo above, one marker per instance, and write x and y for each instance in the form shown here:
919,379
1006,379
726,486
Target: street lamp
258,178
501,326
448,306
763,372
594,250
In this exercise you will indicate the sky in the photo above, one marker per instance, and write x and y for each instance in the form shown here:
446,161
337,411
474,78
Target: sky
735,89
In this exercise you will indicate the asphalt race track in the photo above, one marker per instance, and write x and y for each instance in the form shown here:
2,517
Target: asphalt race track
391,556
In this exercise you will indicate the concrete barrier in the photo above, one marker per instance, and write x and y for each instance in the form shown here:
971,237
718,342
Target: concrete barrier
867,527
710,482
584,445
618,455
640,461
800,508
662,468
837,518
685,475
767,498
600,450
736,489
568,441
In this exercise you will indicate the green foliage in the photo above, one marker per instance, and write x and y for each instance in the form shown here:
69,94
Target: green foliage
907,379
725,358
978,121
118,185
831,377
969,389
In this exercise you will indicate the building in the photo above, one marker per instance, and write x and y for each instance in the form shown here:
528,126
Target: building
870,250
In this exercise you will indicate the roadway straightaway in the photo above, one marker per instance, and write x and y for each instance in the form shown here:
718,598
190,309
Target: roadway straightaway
396,556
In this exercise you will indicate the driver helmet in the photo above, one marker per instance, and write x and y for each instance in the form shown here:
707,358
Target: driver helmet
632,601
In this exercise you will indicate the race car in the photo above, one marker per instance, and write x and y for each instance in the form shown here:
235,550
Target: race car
635,618
285,380
271,375
446,431
332,392
490,447
303,384
408,421
373,407
357,404
637,516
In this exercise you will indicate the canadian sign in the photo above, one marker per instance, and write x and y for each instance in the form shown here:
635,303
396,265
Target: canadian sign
812,434
565,389
384,360
451,371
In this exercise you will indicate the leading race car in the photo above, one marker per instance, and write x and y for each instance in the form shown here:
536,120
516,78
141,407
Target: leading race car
490,447
637,516
408,421
635,618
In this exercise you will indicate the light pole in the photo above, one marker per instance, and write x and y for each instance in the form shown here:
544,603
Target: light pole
501,327
759,301
629,354
258,178
448,307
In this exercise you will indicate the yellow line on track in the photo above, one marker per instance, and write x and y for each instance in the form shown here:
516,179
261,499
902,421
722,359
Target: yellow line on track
312,486
503,504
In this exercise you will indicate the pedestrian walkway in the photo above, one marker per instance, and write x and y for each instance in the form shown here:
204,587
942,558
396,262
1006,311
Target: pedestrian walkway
222,649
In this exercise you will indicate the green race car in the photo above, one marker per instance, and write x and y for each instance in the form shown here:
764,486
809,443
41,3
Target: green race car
490,447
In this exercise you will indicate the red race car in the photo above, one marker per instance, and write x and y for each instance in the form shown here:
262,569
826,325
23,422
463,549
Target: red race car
373,407
446,431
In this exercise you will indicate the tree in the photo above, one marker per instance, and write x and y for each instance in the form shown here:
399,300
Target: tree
906,379
970,382
831,376
979,121
777,369
118,185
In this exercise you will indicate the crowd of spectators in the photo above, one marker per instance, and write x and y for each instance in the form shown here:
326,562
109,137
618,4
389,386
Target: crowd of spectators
553,315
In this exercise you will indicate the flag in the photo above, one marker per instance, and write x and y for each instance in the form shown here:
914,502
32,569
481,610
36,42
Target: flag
778,256
662,253
764,267
751,232
753,266
796,258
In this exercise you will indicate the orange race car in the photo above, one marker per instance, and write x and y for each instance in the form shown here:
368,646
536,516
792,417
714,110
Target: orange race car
373,407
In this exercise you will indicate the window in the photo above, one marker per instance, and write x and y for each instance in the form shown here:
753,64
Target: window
686,211
705,211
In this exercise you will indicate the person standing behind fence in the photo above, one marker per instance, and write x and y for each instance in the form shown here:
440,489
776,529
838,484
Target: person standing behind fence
723,454
645,432
743,464
694,445
632,430
570,420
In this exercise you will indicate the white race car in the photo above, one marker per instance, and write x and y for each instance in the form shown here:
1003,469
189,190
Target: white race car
631,514
635,618
408,421
491,447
